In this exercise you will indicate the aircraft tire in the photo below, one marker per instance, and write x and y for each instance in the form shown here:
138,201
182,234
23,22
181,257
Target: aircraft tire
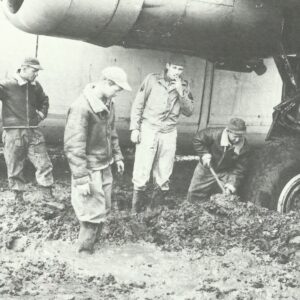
272,180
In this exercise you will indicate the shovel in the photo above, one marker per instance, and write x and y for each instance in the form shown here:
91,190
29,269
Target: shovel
220,183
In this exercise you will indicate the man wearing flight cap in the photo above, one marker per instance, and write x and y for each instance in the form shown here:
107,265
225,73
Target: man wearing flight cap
91,146
24,105
155,111
226,151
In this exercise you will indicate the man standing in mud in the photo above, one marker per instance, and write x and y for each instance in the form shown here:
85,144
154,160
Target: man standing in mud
24,105
226,151
91,146
154,116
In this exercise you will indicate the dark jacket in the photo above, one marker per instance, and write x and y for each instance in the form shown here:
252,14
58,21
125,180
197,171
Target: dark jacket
20,101
90,140
224,159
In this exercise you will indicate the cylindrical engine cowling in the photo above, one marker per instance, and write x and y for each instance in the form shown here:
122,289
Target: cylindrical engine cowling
77,19
213,29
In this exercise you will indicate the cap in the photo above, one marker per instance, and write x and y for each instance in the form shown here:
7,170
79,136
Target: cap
237,126
177,59
118,76
32,62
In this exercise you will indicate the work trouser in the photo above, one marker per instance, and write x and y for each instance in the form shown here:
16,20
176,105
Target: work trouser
93,208
20,143
155,152
203,184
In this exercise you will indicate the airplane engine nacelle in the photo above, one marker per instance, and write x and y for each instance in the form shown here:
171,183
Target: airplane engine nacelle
99,22
213,29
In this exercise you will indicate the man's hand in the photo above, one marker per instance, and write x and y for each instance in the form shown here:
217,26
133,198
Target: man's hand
41,116
177,84
135,136
206,160
84,189
120,167
229,189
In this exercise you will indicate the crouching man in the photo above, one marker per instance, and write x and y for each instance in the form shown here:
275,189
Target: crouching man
225,150
91,146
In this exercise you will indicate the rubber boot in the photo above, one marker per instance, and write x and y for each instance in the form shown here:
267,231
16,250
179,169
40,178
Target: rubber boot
18,196
138,199
157,200
87,237
48,198
100,227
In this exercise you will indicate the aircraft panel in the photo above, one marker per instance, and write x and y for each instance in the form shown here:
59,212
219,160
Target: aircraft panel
247,95
70,65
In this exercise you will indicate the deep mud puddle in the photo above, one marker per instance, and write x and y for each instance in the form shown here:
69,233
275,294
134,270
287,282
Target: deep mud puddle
156,274
142,265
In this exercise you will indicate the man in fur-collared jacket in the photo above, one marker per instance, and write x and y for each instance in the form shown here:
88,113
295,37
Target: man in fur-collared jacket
91,146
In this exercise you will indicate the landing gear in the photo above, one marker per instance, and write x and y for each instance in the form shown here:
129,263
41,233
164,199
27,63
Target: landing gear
289,199
274,181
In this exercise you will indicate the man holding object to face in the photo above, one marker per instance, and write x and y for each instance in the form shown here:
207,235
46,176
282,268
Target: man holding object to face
154,116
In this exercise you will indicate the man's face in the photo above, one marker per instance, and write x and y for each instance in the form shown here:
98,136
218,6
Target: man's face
29,73
174,71
110,89
235,138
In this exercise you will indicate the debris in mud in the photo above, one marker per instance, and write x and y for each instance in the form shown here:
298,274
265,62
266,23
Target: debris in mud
23,224
35,277
23,280
219,224
222,229
216,225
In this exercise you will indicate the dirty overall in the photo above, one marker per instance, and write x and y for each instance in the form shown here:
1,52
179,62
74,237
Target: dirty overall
20,143
24,105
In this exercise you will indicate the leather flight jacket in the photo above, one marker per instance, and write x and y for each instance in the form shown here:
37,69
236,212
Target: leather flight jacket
21,103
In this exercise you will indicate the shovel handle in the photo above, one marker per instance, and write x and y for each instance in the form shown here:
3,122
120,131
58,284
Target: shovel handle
220,184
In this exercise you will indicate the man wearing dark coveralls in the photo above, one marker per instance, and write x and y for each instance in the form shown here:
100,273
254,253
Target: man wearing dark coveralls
24,105
225,150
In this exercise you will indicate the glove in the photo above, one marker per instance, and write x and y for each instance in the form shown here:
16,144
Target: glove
120,167
135,136
40,115
84,189
206,160
229,189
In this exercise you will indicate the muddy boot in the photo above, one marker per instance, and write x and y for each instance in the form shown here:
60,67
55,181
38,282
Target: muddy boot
157,200
138,199
18,196
99,231
48,198
87,237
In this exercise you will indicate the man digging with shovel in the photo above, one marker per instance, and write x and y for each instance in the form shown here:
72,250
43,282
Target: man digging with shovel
224,156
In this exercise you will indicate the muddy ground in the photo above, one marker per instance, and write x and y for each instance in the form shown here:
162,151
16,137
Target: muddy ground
219,249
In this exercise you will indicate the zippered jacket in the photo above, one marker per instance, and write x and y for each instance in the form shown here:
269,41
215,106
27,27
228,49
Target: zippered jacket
159,106
20,103
225,159
90,140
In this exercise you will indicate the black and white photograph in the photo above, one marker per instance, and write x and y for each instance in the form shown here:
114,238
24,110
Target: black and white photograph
150,149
